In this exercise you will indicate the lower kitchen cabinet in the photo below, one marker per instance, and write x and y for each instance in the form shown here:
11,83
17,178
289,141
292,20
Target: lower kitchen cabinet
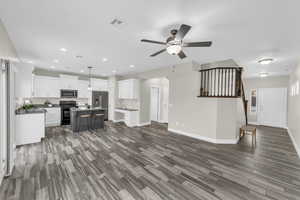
30,128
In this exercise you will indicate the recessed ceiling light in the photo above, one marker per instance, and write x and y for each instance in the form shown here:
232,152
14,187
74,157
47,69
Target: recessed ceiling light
52,67
63,50
104,59
55,61
263,74
114,71
265,61
131,66
82,71
29,61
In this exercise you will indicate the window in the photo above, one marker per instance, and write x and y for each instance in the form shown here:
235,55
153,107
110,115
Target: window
253,101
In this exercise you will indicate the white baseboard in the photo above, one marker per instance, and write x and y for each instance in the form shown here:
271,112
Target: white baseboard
207,139
119,120
254,123
294,142
144,124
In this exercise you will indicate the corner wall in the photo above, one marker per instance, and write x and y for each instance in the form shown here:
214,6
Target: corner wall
7,50
210,119
294,111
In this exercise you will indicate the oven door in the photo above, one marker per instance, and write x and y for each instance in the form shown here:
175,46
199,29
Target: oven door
68,93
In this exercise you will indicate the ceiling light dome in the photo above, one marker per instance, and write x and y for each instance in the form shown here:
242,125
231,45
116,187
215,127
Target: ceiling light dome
174,49
265,61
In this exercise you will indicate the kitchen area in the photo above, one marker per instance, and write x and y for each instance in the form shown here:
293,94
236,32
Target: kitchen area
47,98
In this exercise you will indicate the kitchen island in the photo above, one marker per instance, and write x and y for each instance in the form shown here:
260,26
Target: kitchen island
83,119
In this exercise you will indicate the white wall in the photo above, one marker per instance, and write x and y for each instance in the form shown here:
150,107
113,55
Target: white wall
294,111
188,114
163,85
112,96
266,82
7,50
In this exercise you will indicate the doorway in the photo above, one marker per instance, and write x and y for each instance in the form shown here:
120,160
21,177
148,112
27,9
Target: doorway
272,107
3,119
155,104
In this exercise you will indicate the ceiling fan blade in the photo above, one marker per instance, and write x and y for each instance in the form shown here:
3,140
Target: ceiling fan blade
181,55
159,52
183,30
197,44
153,41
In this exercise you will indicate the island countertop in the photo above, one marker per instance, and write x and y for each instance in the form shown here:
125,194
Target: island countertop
87,109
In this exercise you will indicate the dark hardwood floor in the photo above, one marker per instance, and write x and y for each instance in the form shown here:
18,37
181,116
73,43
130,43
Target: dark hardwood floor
151,163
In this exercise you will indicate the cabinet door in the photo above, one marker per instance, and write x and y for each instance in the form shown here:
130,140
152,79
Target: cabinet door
83,89
99,84
122,89
46,86
68,82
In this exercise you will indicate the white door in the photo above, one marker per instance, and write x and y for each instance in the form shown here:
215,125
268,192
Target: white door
272,110
154,100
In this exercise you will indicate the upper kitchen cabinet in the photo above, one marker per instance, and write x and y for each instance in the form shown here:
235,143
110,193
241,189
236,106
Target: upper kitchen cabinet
68,82
99,84
24,81
83,91
46,86
128,89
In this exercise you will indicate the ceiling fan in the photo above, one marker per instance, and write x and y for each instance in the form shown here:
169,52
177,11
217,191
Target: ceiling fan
174,43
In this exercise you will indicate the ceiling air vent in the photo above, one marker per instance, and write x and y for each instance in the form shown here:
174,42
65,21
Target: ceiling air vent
116,22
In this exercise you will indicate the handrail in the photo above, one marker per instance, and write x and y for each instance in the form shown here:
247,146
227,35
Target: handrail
220,82
245,103
237,68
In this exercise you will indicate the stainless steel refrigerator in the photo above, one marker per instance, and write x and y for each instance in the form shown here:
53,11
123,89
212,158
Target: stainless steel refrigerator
100,99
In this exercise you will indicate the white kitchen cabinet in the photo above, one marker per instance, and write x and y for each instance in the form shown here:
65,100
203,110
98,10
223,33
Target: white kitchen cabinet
46,86
129,117
53,116
128,89
99,84
83,91
23,80
68,82
30,128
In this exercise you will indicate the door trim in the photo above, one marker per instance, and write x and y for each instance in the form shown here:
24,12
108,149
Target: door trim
158,111
259,104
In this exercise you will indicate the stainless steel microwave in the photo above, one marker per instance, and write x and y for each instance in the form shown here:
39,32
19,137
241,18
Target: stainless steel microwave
68,93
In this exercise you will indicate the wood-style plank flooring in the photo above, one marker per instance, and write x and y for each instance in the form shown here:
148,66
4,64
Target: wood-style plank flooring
151,163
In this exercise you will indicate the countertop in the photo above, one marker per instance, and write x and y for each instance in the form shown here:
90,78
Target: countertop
30,111
46,106
127,109
87,109
38,108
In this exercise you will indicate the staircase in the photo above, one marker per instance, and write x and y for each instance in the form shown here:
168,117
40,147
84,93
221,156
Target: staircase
223,82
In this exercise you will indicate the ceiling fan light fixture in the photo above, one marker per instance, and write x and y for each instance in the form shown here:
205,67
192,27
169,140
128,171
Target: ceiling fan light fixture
174,49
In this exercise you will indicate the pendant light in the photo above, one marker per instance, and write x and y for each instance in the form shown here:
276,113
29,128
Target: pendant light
90,84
